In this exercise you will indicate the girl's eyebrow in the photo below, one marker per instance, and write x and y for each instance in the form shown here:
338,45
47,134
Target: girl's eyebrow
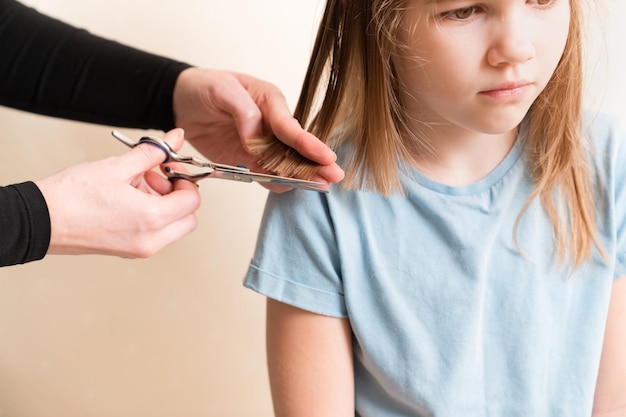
437,2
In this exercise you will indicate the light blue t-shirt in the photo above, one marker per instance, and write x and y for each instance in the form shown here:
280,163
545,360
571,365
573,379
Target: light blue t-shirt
448,318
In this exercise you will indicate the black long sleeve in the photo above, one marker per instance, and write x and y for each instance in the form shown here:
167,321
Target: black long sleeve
55,69
24,223
52,68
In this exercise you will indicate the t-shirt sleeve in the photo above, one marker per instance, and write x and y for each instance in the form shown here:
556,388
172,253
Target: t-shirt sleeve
618,132
24,224
296,259
55,69
608,135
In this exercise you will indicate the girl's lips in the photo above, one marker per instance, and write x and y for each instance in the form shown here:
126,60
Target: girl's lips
508,92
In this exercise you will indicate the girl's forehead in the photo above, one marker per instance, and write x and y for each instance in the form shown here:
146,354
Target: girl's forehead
431,2
443,4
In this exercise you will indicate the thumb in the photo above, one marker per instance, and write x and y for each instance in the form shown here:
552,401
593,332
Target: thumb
234,98
175,138
146,156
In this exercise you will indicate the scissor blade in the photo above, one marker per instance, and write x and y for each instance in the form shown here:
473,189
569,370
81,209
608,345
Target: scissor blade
269,179
236,175
216,170
124,139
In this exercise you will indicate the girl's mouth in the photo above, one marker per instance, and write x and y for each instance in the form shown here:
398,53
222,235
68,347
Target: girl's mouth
508,92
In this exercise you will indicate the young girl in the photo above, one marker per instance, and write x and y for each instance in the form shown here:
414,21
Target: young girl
469,265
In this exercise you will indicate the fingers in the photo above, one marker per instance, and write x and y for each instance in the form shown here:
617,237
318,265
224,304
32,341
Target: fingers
232,97
166,218
175,138
147,156
251,101
276,113
172,201
181,184
278,189
176,231
174,207
155,184
182,197
331,173
289,131
164,234
139,162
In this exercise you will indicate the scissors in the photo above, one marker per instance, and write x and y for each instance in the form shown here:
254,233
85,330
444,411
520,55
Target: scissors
215,170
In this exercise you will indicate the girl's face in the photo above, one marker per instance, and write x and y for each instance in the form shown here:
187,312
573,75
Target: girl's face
479,65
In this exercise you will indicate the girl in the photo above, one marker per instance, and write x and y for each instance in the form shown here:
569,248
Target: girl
469,266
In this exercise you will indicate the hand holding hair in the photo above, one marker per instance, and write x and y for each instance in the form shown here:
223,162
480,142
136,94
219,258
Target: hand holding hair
244,109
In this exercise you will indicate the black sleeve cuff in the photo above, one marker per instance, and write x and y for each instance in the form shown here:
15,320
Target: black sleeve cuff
25,224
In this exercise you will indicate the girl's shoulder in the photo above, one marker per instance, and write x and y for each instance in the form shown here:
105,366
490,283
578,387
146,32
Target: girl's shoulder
605,136
606,132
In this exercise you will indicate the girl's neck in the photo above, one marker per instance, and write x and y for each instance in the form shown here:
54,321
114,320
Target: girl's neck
462,157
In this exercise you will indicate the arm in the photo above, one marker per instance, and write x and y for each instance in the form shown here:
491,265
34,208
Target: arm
610,396
55,69
52,68
310,363
115,206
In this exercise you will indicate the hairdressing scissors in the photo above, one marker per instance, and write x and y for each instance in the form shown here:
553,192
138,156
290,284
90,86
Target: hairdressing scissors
215,170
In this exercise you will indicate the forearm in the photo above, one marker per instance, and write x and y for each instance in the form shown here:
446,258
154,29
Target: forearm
621,412
610,395
52,68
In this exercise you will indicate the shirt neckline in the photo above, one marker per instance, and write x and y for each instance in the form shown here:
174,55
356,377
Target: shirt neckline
509,161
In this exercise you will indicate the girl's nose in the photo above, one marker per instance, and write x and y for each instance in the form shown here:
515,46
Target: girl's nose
511,43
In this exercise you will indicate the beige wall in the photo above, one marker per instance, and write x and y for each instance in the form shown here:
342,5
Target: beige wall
175,335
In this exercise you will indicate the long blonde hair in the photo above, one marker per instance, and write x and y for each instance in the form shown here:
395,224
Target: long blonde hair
351,70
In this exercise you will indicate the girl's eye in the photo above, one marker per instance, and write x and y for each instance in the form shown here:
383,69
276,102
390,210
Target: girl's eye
544,4
462,14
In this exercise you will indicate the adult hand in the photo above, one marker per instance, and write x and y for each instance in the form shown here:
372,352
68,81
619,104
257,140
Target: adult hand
221,110
120,206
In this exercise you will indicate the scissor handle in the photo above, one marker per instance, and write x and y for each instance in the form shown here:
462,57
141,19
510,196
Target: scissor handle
214,170
173,174
164,146
170,154
173,156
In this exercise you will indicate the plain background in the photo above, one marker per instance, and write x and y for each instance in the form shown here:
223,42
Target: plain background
177,334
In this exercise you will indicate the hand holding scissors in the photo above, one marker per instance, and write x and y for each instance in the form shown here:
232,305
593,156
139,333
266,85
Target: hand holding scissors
216,170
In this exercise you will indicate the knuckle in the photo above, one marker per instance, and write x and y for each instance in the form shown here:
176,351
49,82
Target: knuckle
145,247
252,114
153,219
144,253
193,223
